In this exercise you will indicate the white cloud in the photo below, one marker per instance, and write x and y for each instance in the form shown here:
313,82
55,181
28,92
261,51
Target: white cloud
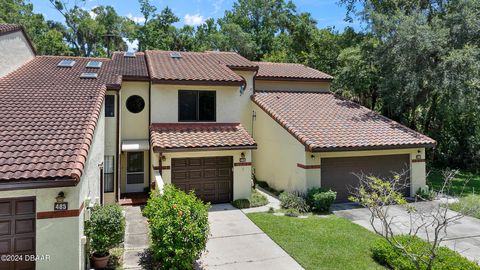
92,14
132,46
217,5
195,19
137,19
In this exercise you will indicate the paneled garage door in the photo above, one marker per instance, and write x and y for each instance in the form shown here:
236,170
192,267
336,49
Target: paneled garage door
210,177
338,173
17,231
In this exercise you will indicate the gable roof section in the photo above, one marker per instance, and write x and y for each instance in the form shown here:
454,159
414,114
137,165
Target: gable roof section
289,71
49,115
210,136
324,122
233,60
7,28
130,68
190,68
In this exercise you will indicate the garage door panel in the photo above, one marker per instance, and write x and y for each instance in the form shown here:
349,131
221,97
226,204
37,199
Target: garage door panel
5,246
24,245
179,163
6,208
339,174
205,179
24,207
5,227
25,265
180,175
24,226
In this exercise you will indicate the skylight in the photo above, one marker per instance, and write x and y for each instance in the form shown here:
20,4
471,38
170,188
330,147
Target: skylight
89,75
66,63
175,55
129,54
94,64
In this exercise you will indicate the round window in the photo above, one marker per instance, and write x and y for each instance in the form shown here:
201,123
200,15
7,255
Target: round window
135,104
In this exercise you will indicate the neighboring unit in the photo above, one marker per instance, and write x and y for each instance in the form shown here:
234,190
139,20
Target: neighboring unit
76,131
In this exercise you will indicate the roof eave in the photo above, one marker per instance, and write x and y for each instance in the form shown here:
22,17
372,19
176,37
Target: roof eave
198,82
243,68
158,149
369,147
293,79
37,184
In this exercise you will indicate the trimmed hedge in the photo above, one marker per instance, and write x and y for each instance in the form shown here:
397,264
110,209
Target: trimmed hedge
105,228
241,203
387,255
289,200
321,199
178,228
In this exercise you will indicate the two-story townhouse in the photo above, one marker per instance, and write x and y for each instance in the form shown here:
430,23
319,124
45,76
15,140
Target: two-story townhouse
76,131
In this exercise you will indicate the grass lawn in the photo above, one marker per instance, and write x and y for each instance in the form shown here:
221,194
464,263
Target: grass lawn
471,202
435,181
316,242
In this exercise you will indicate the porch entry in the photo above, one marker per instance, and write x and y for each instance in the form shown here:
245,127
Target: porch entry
135,172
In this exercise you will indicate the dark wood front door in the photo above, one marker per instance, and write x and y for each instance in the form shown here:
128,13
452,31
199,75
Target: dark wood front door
17,232
210,177
338,174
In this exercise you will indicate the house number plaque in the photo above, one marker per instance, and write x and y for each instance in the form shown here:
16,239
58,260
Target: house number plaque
60,206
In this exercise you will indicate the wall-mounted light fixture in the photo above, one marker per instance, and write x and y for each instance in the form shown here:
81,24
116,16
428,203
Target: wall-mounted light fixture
420,154
312,156
60,197
164,158
242,157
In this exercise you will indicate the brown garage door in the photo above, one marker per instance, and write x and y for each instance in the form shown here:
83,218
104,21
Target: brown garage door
17,231
338,173
211,177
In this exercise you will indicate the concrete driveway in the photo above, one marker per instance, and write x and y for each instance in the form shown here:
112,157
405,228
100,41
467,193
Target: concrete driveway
462,236
237,243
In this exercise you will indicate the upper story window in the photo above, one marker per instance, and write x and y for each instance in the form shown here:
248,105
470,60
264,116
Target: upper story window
109,106
135,104
196,106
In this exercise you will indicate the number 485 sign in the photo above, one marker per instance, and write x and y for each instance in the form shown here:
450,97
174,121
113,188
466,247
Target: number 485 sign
60,206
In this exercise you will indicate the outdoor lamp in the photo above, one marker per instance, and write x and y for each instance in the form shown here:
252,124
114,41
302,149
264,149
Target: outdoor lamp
242,157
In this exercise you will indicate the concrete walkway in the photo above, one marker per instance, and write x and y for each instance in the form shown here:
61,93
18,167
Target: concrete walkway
273,202
237,243
462,236
136,237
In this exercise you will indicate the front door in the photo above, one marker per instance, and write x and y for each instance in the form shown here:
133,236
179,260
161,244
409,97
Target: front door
135,172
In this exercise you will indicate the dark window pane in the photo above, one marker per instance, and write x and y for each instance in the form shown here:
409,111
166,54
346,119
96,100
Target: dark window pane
135,104
187,105
108,168
109,106
108,187
206,106
136,178
135,162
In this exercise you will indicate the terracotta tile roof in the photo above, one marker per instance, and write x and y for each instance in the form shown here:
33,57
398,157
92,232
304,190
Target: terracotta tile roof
131,68
285,71
233,60
8,28
171,137
48,118
326,122
191,68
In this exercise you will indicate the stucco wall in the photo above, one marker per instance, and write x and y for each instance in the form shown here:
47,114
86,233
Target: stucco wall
417,169
111,145
231,107
291,85
60,238
134,126
275,160
241,174
14,52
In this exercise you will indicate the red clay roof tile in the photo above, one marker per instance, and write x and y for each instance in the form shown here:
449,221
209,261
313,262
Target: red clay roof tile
326,122
131,68
233,60
8,28
171,137
48,118
191,67
269,70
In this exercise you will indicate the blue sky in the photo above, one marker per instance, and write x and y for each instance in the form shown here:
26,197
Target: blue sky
327,13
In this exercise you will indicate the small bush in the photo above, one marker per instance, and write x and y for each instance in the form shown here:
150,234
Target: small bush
257,199
178,228
387,255
289,200
271,210
426,194
292,212
241,203
266,187
105,229
320,199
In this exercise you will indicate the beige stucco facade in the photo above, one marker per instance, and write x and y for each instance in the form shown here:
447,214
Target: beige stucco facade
271,85
241,174
278,154
14,52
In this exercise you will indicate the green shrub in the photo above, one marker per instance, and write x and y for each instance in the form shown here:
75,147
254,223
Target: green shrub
426,194
291,212
290,200
178,228
241,203
262,184
321,199
105,228
257,199
387,255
